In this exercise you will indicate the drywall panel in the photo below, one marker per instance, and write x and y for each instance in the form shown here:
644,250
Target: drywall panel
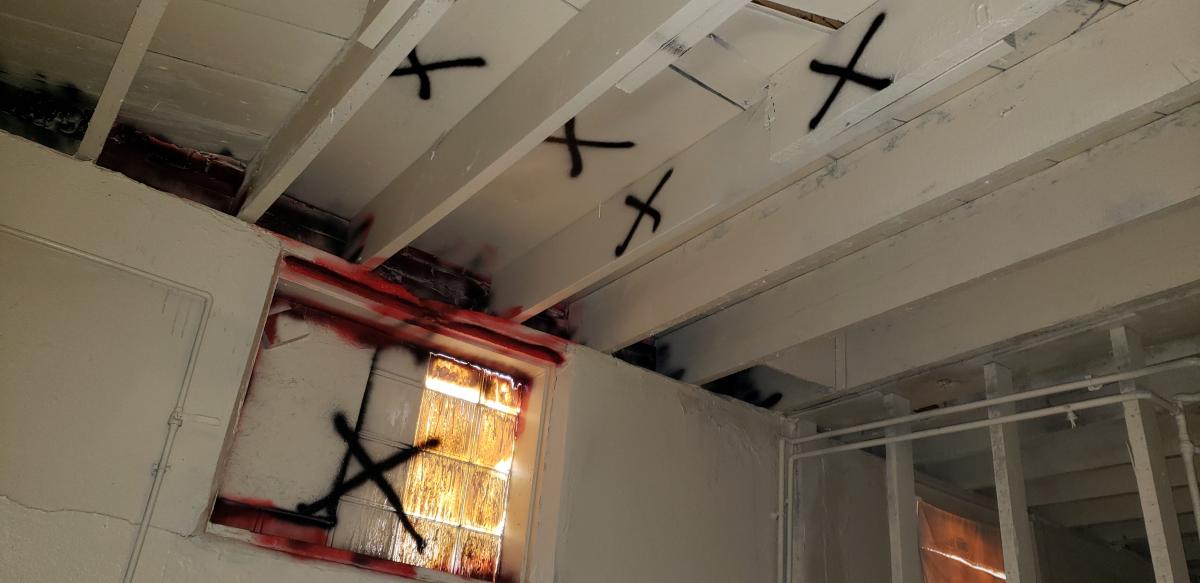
103,217
662,481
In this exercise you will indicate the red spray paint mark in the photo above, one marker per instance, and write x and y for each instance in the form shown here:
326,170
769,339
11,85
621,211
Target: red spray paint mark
393,301
309,550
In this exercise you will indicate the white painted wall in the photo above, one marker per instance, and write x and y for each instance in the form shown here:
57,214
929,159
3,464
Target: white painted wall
114,296
660,480
643,478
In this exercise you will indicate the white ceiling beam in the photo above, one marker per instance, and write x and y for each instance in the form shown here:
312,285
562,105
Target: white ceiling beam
758,152
332,101
1105,510
1098,483
1082,197
129,59
589,54
1048,107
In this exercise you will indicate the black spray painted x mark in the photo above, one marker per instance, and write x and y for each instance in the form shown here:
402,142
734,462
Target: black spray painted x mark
421,70
848,73
573,145
371,471
644,208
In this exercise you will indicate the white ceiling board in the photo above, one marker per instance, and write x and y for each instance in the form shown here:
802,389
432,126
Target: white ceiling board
107,19
29,49
537,197
1054,26
395,126
193,105
175,85
743,52
202,32
842,10
336,17
245,44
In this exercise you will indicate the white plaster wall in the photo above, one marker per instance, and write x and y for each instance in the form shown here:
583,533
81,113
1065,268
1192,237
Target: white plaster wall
115,299
661,481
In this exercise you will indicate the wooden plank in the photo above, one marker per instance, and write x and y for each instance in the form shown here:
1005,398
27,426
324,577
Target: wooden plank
903,532
662,118
340,92
396,126
1149,465
192,105
888,186
381,17
589,54
736,166
245,44
903,45
202,32
336,17
129,60
1080,198
1016,536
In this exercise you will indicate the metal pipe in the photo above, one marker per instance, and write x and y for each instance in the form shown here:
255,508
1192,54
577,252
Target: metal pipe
1044,412
783,512
1017,396
1187,451
791,497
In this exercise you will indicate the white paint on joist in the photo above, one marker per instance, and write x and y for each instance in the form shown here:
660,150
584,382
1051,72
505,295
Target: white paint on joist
1028,111
203,33
842,10
533,199
1076,199
593,50
730,169
190,104
912,45
335,98
395,126
129,59
740,55
339,18
528,202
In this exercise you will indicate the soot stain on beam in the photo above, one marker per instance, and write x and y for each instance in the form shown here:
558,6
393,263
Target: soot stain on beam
52,114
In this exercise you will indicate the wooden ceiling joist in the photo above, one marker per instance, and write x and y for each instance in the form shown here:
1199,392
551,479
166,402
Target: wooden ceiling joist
770,144
1048,107
1043,111
592,52
340,92
129,60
